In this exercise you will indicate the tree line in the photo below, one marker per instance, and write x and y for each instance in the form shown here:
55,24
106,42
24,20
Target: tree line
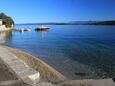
7,20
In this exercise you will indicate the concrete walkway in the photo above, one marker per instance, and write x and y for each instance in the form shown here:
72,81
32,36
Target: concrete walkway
15,72
17,67
5,73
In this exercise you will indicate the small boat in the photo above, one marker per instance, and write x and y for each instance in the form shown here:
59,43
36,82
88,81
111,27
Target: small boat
42,28
24,30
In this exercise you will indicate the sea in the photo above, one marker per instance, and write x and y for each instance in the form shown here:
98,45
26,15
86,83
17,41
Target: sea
76,51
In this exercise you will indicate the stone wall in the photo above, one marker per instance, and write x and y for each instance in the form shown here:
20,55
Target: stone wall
3,28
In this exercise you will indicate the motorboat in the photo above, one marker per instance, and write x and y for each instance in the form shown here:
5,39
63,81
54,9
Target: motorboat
24,30
42,28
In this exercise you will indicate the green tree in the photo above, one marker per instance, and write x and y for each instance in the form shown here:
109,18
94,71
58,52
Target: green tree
8,21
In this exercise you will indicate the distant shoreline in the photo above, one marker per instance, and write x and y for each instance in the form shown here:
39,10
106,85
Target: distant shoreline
112,22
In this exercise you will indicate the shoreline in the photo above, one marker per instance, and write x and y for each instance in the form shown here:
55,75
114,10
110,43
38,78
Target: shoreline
48,73
5,29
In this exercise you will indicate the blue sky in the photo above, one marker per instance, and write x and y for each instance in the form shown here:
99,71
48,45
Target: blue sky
28,11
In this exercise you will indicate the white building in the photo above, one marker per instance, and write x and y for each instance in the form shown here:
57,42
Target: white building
1,22
3,26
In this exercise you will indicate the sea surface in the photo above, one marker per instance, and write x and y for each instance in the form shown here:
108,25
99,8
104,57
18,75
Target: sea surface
76,51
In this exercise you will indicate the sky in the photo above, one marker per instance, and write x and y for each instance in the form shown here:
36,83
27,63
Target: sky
32,11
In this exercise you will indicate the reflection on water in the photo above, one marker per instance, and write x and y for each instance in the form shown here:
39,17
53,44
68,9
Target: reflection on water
43,34
5,36
75,51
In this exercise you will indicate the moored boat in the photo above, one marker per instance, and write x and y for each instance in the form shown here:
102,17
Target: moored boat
24,30
42,28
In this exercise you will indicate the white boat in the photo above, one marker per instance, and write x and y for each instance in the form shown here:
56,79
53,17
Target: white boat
24,30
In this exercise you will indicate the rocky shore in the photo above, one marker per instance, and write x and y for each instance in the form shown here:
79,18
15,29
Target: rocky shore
48,75
23,66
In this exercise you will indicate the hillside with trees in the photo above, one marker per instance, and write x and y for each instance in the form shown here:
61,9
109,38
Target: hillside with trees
7,20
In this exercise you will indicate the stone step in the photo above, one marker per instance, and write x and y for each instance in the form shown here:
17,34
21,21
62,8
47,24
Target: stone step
22,70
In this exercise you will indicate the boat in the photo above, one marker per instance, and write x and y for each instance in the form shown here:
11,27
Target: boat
42,28
24,30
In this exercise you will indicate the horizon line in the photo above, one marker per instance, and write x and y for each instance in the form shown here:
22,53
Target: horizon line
65,22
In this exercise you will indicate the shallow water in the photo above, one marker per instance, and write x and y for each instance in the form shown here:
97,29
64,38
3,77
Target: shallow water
74,50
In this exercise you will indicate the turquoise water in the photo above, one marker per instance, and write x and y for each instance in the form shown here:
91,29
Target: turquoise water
76,51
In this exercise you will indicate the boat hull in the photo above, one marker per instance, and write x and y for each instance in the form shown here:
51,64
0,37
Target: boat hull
41,29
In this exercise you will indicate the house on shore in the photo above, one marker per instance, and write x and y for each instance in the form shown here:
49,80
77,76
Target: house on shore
3,26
